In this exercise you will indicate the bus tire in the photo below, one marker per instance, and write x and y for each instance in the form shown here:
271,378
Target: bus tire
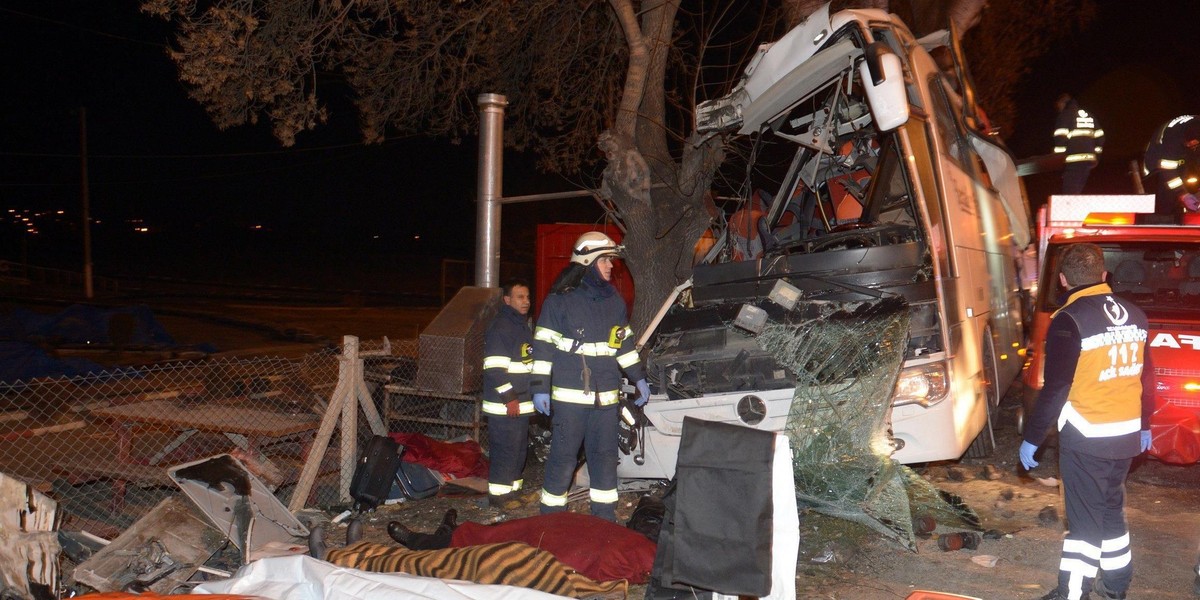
985,443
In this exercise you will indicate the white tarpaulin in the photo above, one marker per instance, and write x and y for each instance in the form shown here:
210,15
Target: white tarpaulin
306,578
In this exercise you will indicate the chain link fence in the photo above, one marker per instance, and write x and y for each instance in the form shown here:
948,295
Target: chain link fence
102,445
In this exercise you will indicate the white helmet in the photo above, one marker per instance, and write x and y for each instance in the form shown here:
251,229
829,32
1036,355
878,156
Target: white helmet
593,245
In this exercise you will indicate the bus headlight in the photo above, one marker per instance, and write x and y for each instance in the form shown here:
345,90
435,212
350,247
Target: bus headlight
925,385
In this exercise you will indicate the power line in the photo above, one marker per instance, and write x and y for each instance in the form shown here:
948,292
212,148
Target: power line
82,28
281,152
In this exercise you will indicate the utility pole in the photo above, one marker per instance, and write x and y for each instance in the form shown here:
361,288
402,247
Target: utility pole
87,218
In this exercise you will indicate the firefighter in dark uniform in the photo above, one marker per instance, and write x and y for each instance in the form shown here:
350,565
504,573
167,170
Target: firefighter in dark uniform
581,345
1076,135
1099,389
1173,157
507,363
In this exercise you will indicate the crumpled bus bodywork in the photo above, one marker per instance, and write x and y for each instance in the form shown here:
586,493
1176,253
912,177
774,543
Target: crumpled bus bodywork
879,185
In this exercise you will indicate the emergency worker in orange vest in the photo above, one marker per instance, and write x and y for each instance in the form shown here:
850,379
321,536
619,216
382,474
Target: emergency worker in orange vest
1099,389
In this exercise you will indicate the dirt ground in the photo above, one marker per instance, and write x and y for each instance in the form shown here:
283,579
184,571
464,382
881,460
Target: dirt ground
1163,506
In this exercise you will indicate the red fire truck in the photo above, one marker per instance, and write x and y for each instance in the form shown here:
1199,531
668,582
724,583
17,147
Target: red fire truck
1158,268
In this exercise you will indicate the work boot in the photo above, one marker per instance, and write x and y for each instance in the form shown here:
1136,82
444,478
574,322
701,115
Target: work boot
354,530
316,542
507,501
401,534
420,541
1103,592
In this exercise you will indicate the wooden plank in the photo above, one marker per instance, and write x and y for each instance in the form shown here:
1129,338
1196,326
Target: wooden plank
84,467
172,528
211,417
29,554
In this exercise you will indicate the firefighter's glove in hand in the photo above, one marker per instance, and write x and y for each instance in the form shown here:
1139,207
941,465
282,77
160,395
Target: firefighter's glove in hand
1145,441
1191,203
513,407
1026,453
541,402
643,389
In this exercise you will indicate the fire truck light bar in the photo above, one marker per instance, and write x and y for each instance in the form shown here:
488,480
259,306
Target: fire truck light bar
1109,209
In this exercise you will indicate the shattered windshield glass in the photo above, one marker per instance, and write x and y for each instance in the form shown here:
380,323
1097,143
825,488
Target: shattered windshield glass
846,363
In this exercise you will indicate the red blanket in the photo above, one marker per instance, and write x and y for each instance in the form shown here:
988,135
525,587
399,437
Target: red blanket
458,459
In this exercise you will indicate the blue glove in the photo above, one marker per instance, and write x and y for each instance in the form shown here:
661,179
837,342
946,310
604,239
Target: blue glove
541,402
1145,441
643,389
1027,451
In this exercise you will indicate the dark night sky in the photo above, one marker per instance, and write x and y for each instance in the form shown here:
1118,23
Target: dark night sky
153,153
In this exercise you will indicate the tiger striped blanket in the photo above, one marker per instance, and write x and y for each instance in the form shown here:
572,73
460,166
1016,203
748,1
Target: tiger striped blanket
508,563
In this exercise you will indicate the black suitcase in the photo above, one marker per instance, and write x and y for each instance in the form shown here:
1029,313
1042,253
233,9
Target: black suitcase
375,472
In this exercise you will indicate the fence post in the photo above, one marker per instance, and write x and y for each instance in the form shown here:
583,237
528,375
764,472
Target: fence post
349,374
350,394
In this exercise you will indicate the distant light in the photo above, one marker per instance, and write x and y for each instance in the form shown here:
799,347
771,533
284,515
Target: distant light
142,229
417,237
256,227
375,237
61,212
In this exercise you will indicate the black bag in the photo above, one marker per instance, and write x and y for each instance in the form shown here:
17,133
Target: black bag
374,474
414,481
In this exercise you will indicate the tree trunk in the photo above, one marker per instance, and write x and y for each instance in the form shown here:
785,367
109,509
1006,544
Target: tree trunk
659,199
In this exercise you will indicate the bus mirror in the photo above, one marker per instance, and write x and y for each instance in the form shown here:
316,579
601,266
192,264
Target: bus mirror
883,79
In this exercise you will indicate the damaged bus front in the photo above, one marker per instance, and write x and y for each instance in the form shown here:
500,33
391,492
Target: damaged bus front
876,183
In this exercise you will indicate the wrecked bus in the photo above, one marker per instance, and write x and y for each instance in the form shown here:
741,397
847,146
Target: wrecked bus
881,185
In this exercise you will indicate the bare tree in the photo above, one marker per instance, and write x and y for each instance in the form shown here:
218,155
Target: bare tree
586,80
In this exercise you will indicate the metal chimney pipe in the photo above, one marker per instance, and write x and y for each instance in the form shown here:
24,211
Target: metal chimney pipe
489,189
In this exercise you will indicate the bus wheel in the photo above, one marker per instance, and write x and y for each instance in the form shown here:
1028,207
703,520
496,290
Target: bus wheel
985,442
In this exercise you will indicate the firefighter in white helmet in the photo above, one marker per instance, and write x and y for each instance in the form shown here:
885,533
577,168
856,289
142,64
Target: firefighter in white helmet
582,344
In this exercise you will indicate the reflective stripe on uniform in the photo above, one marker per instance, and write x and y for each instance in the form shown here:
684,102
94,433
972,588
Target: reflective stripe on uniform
605,496
1175,183
1167,163
520,367
500,389
500,408
1060,149
1081,157
628,359
581,397
518,484
551,500
1094,430
496,362
545,334
1112,563
585,348
541,367
499,489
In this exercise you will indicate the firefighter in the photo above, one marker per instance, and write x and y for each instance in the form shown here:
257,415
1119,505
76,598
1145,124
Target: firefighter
507,363
582,343
1099,388
1079,137
1173,157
